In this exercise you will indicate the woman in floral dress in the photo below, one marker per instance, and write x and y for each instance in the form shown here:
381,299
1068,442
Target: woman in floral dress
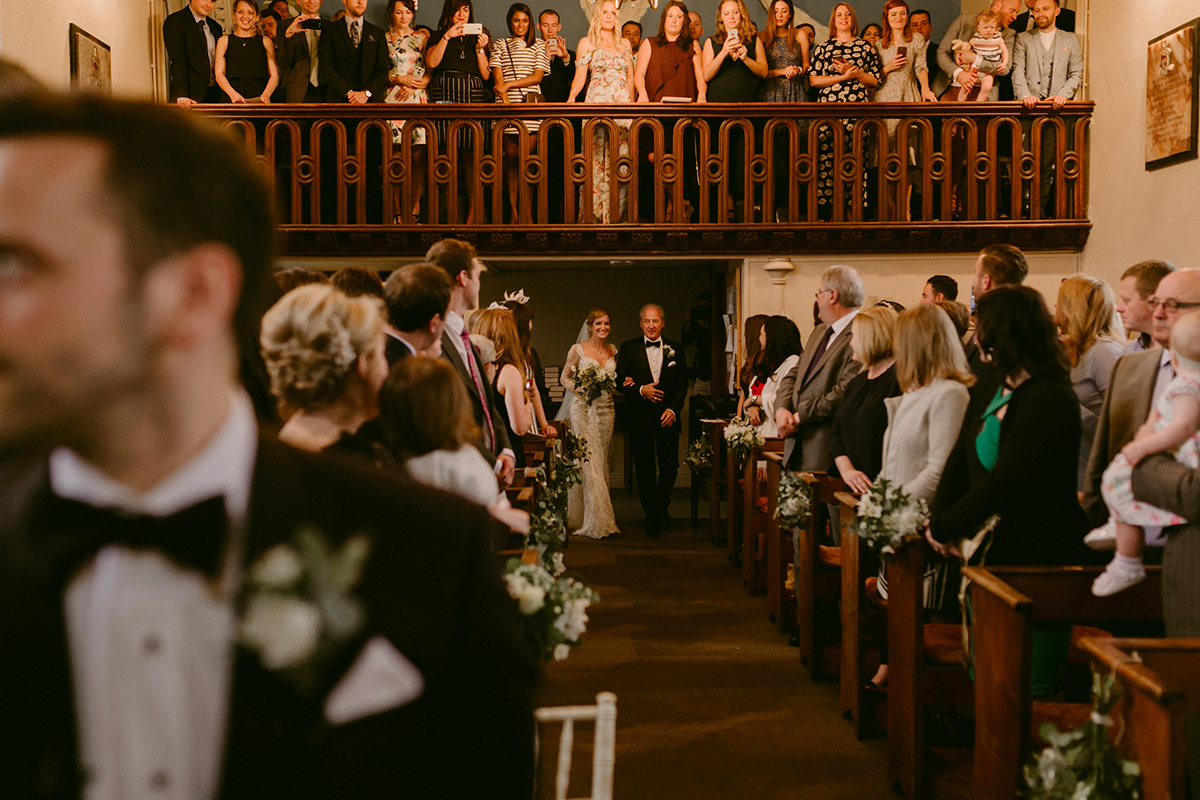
609,60
844,69
408,80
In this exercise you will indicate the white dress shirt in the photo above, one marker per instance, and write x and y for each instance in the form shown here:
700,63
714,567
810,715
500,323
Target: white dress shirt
655,356
211,41
455,324
151,642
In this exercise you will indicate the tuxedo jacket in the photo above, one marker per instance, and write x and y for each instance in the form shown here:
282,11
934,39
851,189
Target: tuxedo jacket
450,353
344,68
1065,21
816,399
294,60
1126,406
470,734
632,362
187,54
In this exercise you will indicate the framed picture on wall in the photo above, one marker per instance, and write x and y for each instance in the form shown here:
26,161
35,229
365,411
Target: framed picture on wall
91,62
1172,100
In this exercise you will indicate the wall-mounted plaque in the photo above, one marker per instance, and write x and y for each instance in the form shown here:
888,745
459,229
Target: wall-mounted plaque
1172,100
91,62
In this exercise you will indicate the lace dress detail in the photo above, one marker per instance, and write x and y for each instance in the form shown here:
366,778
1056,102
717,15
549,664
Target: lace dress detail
595,424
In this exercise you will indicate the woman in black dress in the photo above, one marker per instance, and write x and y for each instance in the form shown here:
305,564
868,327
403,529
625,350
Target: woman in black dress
734,62
245,66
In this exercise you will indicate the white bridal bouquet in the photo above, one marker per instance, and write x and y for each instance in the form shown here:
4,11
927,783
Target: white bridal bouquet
741,437
887,514
593,382
554,605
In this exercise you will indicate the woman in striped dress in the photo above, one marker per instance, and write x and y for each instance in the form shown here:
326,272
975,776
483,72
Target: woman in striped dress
518,65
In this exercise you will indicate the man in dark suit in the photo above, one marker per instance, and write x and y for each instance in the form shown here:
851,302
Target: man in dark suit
653,377
556,86
191,40
997,265
131,554
457,258
353,58
297,54
1024,22
921,21
417,298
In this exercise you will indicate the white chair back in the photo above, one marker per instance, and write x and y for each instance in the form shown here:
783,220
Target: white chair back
603,750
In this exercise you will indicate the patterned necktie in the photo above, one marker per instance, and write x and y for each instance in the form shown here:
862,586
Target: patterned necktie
820,352
313,43
489,432
356,32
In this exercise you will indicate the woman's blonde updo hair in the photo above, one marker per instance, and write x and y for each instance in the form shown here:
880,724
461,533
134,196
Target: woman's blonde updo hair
311,340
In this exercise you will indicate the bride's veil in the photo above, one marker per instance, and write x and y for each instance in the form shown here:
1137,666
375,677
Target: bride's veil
564,410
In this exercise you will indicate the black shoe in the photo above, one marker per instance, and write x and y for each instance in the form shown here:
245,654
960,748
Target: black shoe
652,529
794,640
666,521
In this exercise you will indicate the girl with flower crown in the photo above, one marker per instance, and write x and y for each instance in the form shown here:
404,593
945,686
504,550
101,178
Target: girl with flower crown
325,354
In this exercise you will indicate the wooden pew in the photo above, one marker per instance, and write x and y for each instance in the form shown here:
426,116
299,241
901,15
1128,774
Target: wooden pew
734,501
714,429
1006,602
756,514
1158,692
817,579
862,623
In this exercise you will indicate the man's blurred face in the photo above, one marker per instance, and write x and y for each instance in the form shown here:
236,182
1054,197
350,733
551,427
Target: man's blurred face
631,34
1181,288
310,7
919,23
355,8
548,24
202,7
928,295
73,337
1007,10
695,25
652,323
1134,309
1044,13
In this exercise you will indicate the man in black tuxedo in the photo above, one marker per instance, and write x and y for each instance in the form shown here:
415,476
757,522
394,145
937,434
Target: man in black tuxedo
191,40
149,500
417,298
353,58
463,267
652,376
297,54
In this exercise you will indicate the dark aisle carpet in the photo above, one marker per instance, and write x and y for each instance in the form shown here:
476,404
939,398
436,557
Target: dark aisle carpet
711,702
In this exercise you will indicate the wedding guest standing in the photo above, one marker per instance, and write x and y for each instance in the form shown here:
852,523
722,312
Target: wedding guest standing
734,64
844,70
786,49
535,380
458,65
245,68
191,38
856,437
408,84
144,668
297,55
510,385
1086,316
353,58
555,86
751,358
518,65
782,348
606,64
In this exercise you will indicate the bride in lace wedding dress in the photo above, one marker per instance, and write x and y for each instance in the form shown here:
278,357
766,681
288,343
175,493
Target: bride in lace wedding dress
594,422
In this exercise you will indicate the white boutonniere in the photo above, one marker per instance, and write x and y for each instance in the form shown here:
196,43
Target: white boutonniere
297,609
668,351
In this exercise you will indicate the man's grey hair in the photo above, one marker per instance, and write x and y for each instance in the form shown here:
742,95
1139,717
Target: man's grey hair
845,281
661,314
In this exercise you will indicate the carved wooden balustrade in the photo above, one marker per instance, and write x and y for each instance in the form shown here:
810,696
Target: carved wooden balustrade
728,179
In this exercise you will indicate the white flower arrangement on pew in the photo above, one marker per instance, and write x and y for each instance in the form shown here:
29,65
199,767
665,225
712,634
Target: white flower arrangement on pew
1082,763
741,437
886,515
593,382
793,501
553,602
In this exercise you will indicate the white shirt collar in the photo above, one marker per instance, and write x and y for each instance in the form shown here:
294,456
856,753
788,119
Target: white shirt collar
225,466
197,17
350,23
840,325
1165,358
455,324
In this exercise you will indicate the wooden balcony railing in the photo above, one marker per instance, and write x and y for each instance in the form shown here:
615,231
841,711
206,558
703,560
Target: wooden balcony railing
714,179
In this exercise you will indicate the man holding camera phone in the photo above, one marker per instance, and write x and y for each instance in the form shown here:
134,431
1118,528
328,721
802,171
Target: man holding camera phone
297,55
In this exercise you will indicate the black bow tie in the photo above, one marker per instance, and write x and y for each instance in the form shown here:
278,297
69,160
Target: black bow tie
193,537
654,344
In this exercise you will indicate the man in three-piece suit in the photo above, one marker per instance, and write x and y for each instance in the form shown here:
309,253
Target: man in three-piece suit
353,58
417,298
191,40
653,377
461,265
148,504
1047,68
297,54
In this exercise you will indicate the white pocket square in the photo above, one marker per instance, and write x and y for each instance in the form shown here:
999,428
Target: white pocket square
380,679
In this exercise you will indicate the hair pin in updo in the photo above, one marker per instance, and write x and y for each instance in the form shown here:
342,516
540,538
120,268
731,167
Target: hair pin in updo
341,349
516,297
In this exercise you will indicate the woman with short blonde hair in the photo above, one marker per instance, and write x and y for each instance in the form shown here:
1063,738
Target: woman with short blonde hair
927,349
324,352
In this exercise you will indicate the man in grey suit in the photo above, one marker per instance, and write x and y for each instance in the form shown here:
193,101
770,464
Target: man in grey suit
963,29
297,55
1047,67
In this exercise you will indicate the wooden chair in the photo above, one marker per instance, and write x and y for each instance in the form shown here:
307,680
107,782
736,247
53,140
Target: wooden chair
603,751
1158,692
715,430
1006,602
756,514
818,575
862,623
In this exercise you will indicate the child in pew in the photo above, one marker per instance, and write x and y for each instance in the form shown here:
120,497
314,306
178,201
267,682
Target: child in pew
429,428
1172,427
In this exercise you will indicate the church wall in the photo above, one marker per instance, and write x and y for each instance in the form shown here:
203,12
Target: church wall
1135,214
35,33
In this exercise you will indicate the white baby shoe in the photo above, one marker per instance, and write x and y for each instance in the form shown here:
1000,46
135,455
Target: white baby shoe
1116,578
1102,538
